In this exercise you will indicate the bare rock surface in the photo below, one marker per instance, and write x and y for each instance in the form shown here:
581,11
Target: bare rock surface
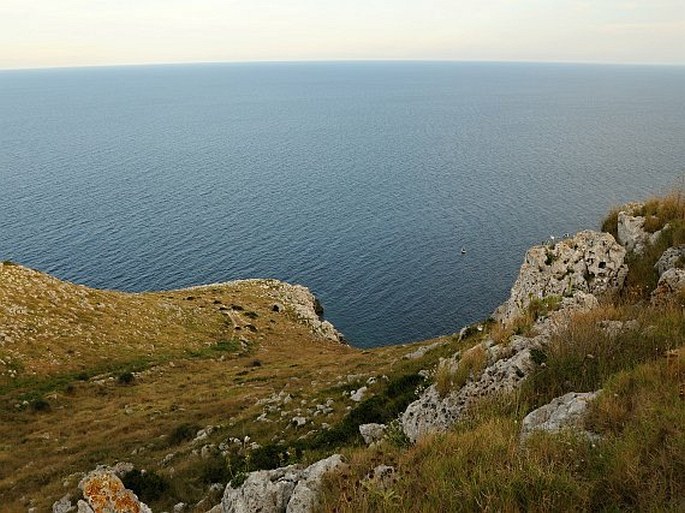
672,258
671,283
372,433
104,492
631,233
589,262
282,490
565,412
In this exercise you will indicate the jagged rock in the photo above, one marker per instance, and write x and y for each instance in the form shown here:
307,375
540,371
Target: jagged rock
565,412
63,505
432,413
105,493
671,258
382,476
307,308
372,433
631,233
358,394
672,282
282,490
590,262
306,494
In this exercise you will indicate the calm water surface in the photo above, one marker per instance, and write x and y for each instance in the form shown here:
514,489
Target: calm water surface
362,181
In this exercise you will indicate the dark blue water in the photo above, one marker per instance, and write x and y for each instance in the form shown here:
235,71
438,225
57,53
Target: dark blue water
360,180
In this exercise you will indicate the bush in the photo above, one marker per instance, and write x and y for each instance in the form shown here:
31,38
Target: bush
182,433
148,486
40,405
126,378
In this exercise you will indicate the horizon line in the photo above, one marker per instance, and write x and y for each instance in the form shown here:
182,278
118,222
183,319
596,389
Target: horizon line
324,61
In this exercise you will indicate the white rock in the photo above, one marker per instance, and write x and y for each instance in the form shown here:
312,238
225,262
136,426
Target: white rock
63,505
631,233
565,412
358,394
283,490
671,258
372,433
671,283
299,421
590,262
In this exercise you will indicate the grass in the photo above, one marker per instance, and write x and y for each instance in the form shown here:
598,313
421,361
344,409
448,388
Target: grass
469,366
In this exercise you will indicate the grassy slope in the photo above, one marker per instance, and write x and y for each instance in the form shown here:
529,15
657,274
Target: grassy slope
66,351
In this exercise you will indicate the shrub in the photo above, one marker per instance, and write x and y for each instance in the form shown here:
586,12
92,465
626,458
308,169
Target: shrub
182,433
126,378
610,223
40,405
148,486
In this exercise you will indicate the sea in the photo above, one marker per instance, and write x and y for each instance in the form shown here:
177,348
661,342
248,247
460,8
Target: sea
403,194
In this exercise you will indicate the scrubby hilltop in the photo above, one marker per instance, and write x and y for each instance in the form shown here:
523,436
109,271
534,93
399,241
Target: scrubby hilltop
238,397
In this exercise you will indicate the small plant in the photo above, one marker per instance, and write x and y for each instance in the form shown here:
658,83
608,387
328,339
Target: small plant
126,378
226,346
610,223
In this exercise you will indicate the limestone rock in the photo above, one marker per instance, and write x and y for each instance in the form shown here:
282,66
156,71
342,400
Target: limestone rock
432,413
590,262
382,476
105,493
63,505
631,232
83,507
358,394
671,283
305,496
306,307
372,433
421,351
282,490
671,258
565,412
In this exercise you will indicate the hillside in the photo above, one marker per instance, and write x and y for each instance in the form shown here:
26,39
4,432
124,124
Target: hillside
192,391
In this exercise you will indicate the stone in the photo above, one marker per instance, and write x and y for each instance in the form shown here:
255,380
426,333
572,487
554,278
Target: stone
565,412
372,433
631,233
671,283
590,262
671,258
421,351
305,496
277,307
83,507
358,394
299,421
63,505
105,493
179,507
282,490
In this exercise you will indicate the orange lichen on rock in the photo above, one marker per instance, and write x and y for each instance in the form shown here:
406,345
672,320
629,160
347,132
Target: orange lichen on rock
105,493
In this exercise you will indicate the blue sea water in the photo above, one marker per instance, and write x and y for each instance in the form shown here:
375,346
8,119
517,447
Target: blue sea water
362,181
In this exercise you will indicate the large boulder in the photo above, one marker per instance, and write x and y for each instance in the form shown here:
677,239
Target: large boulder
590,262
565,412
283,490
104,492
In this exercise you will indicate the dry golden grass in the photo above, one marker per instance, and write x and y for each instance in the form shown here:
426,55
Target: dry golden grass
69,345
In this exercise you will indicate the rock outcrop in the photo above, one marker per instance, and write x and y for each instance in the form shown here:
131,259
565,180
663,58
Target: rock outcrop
372,433
282,490
104,492
306,307
574,269
565,412
589,262
631,233
672,258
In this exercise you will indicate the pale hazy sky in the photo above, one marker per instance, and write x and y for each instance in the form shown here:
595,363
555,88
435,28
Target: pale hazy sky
38,33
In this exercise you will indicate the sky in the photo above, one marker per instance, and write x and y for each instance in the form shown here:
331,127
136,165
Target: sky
48,33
